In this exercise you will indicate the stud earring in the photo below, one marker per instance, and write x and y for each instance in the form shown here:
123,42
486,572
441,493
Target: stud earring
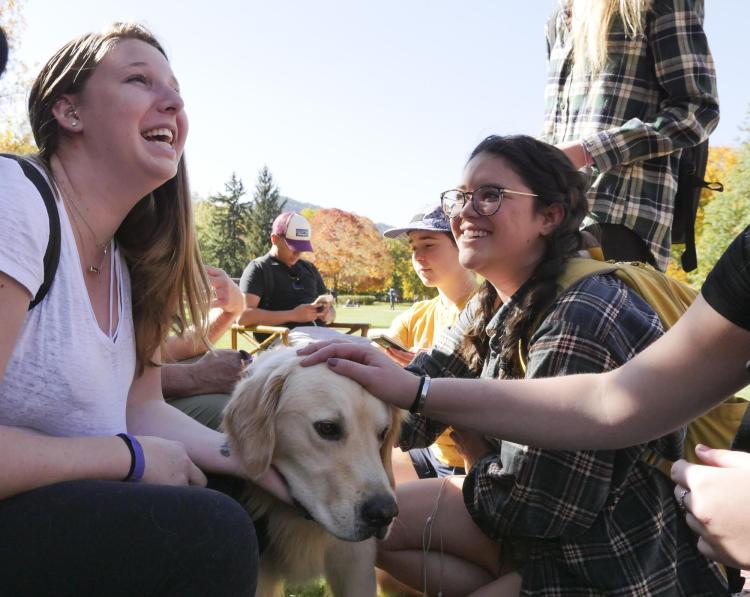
74,123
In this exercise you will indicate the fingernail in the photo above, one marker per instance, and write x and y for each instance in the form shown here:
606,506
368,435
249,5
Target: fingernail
333,361
701,447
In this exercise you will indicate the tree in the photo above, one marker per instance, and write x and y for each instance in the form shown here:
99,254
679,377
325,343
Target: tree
13,141
15,135
349,251
263,211
725,216
222,238
404,279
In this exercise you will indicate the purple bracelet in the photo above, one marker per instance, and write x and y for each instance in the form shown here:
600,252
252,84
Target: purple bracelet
137,459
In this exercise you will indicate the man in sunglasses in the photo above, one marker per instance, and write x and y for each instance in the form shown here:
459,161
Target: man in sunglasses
281,288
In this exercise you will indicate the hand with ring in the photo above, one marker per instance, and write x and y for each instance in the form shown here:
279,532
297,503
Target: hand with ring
711,496
681,499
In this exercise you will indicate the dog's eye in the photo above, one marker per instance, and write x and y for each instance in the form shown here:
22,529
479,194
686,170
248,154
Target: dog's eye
328,430
383,433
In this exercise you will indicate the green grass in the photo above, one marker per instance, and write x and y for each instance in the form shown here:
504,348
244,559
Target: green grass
314,589
378,315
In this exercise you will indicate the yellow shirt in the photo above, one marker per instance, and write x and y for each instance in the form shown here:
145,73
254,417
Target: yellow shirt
417,328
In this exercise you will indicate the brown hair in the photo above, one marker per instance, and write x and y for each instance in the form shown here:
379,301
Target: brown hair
157,238
549,174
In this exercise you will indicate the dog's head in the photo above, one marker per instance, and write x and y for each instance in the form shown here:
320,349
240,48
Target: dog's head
328,437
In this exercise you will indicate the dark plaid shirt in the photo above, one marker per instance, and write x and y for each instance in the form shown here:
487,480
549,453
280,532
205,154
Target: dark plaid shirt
656,95
576,523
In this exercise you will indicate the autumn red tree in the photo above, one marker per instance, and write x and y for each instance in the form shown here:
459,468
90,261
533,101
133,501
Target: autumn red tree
349,251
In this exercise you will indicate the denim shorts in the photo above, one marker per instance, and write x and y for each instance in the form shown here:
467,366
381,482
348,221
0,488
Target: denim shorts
429,466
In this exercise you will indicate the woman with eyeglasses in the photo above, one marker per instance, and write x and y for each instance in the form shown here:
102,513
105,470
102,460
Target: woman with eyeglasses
528,520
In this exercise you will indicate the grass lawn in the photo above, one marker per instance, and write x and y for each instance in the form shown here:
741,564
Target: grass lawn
378,315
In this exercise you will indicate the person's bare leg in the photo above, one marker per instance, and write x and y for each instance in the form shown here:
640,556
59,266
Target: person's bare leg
392,587
403,467
461,558
403,472
508,585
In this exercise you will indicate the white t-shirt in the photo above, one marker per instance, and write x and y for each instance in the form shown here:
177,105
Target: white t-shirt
65,377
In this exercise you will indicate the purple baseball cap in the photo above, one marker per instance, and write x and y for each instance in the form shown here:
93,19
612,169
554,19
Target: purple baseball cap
295,229
431,218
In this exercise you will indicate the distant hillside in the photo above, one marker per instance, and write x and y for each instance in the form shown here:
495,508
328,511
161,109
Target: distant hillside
293,205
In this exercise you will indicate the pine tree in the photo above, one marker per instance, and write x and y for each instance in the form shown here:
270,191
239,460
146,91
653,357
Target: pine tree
263,211
223,239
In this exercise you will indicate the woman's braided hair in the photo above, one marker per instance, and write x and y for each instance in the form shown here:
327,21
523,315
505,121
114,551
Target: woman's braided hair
548,172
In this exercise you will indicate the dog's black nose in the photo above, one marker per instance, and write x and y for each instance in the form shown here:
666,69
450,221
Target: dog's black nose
379,511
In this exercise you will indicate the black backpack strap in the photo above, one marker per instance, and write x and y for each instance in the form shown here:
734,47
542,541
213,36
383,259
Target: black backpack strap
742,439
52,254
690,182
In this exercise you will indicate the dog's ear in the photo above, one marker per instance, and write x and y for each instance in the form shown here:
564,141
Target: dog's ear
249,418
391,439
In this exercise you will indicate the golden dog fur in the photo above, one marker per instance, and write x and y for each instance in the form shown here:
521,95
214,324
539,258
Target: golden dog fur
331,440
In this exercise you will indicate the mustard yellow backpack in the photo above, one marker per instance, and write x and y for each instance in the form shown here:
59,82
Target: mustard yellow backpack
669,298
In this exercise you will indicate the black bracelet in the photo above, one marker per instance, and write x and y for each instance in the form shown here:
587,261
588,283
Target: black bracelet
124,438
413,409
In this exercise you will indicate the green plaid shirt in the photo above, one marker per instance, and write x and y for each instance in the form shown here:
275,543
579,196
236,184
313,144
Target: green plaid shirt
576,523
656,95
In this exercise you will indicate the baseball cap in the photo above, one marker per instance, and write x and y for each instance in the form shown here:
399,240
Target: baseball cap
430,218
295,229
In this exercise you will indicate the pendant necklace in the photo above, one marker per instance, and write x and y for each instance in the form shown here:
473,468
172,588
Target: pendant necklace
103,247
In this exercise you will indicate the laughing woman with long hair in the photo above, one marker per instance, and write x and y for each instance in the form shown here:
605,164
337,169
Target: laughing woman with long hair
94,495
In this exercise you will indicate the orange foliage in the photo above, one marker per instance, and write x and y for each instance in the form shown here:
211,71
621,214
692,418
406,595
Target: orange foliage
349,251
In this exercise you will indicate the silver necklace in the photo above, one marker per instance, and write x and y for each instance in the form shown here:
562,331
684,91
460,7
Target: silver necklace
103,247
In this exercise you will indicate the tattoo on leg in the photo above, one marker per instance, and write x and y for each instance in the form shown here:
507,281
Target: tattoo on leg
225,449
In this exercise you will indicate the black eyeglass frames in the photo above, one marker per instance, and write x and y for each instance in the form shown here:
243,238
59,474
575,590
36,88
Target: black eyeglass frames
485,200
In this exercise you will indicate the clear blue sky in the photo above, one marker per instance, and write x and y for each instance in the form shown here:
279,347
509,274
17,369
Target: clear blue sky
370,106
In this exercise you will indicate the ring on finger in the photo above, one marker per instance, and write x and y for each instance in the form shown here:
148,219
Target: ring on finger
681,500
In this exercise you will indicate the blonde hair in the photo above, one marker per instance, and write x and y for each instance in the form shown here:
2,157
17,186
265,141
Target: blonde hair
591,24
157,238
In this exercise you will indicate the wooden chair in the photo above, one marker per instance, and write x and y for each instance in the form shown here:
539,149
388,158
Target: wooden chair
352,328
282,333
246,331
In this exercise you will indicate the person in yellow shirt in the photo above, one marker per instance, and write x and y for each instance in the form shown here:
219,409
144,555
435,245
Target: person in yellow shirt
435,261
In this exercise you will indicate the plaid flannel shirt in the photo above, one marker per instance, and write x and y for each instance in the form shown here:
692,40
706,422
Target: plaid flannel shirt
656,95
579,523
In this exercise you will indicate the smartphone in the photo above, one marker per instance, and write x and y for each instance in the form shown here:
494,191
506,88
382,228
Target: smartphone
388,342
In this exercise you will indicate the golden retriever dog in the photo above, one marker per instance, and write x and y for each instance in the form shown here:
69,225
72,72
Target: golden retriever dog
331,441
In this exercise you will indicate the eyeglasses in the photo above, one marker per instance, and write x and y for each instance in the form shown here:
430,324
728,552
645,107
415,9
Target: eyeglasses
485,200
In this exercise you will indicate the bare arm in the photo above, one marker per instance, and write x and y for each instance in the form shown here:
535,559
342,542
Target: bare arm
693,367
227,305
214,373
32,459
148,414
